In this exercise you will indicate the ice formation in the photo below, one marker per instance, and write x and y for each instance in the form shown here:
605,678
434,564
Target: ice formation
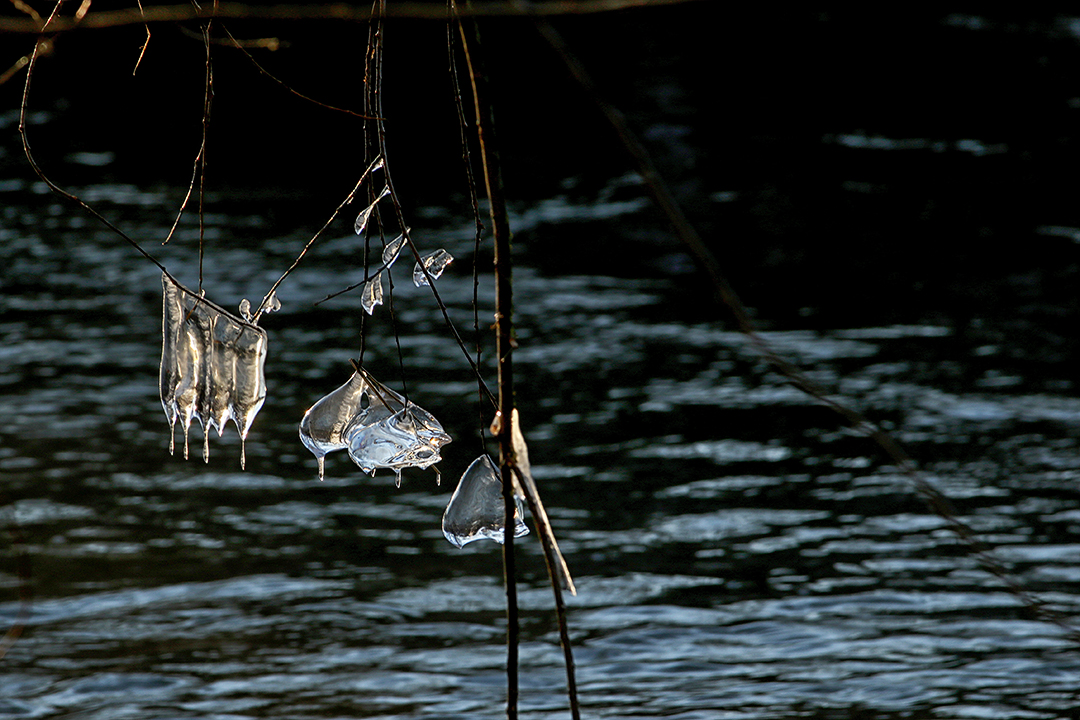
378,427
435,263
393,249
372,294
211,366
365,214
476,508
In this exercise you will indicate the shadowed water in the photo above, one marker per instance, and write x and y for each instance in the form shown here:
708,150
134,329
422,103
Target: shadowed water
738,553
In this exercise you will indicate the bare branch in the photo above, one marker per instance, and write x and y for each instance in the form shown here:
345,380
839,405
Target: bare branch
414,10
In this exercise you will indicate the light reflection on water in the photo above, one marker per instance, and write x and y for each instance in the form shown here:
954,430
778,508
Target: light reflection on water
725,570
738,553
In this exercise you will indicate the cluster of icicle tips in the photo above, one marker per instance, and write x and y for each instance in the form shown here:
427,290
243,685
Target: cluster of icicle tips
211,366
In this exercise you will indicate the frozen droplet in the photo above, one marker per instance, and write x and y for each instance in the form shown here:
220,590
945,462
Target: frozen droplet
393,249
476,508
211,365
372,294
378,426
435,263
245,309
272,303
324,423
400,441
365,214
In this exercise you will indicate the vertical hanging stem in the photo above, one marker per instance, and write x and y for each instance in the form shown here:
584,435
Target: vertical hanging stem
503,347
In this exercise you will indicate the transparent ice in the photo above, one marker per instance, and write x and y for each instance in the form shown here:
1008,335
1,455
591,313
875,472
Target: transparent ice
372,294
435,263
408,438
476,508
365,214
211,367
378,427
393,249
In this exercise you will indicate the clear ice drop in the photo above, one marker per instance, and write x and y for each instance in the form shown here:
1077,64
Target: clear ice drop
435,263
211,366
476,508
323,427
365,214
372,294
245,309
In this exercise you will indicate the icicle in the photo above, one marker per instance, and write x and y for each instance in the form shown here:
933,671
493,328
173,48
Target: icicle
211,366
393,249
245,310
372,294
476,508
365,214
435,263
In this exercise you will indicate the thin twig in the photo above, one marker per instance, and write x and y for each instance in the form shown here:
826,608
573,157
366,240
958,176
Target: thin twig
325,12
493,183
375,165
142,50
208,99
470,183
236,43
24,104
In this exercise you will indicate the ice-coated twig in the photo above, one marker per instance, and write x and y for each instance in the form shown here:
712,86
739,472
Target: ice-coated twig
211,366
431,267
373,294
376,164
365,214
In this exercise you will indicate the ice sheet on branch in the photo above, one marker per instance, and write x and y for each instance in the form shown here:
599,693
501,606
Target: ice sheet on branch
365,214
211,366
378,427
434,263
476,508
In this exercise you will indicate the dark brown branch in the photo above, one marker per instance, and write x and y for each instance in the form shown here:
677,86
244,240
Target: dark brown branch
493,184
337,11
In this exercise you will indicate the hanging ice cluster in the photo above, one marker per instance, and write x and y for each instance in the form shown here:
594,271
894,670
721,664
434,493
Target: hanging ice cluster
379,428
434,263
476,508
211,366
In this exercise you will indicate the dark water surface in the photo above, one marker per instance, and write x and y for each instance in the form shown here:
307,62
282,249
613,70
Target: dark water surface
905,230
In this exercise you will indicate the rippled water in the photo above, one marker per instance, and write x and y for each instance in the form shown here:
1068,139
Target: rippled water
738,553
